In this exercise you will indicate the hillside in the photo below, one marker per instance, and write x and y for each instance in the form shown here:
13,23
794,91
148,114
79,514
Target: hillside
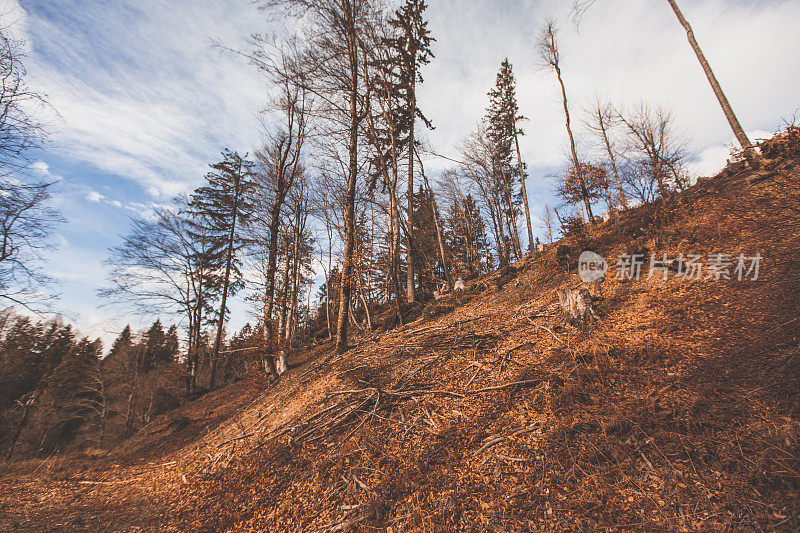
677,411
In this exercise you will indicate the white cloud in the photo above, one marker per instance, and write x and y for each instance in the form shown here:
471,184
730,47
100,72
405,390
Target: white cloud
139,90
624,50
95,196
40,167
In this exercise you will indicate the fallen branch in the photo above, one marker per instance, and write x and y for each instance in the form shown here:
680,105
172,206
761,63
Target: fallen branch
506,385
498,440
428,328
489,444
550,331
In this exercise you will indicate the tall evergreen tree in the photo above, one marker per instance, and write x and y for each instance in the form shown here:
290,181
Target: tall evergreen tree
413,45
503,117
224,205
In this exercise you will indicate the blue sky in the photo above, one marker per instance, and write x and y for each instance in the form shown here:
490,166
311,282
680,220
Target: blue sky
145,103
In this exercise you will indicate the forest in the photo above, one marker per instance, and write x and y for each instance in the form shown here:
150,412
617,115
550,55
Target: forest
339,188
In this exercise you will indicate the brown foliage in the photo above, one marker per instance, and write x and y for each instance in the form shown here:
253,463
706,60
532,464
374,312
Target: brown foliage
678,411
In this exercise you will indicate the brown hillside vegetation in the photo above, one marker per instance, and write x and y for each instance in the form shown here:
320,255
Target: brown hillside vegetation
677,411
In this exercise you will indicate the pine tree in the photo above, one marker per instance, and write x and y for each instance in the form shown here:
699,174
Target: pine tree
413,46
503,117
428,263
74,397
465,236
153,346
30,355
224,206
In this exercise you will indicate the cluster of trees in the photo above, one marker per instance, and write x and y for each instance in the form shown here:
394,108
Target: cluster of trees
339,185
57,391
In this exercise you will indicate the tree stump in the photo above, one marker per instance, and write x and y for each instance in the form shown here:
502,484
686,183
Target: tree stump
576,305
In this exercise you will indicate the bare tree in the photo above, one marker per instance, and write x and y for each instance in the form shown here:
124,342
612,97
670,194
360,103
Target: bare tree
166,265
477,166
328,65
224,204
388,131
738,131
658,149
548,50
437,225
26,221
281,164
20,131
601,120
26,224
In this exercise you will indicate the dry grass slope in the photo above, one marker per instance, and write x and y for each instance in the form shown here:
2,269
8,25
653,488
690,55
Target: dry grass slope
678,411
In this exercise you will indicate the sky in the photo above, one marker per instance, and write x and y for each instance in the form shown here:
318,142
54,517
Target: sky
145,102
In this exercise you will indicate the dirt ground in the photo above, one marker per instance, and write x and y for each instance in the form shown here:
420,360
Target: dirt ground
677,411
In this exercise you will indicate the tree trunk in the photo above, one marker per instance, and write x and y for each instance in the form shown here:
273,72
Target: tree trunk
410,288
295,274
394,222
25,415
194,335
511,219
712,79
604,132
284,296
350,198
561,222
103,409
272,267
366,307
575,161
524,191
328,282
502,250
129,415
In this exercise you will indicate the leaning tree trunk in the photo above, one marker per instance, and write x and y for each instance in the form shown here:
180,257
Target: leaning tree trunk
366,306
410,290
712,79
